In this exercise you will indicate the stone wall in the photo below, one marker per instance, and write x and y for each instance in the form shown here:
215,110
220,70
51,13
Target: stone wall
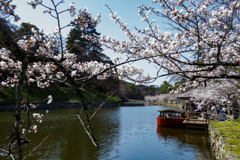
219,145
11,106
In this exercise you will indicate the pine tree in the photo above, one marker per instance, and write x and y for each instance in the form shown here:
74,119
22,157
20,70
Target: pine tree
83,48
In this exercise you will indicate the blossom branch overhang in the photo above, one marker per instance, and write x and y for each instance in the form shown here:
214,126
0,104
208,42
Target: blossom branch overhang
182,74
32,58
118,21
149,24
112,67
52,79
186,28
19,53
192,63
7,41
216,77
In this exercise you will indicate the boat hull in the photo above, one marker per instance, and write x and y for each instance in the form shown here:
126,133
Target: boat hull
162,121
170,122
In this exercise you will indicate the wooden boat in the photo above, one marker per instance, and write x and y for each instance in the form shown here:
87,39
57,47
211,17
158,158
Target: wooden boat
170,118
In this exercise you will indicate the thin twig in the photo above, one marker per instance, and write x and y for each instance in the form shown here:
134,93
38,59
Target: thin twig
87,131
101,105
6,153
36,147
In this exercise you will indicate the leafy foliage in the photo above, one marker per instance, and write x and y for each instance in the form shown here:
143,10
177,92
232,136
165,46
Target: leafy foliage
165,88
139,91
60,94
25,30
83,48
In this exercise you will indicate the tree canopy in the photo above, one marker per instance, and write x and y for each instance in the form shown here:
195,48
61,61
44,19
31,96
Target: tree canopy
85,49
165,87
25,29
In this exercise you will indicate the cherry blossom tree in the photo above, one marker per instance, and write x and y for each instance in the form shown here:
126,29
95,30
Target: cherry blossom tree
203,45
216,91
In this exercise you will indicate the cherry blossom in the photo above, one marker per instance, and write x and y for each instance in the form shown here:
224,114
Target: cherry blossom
50,99
8,9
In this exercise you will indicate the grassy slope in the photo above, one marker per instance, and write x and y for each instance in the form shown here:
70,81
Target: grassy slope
59,94
231,130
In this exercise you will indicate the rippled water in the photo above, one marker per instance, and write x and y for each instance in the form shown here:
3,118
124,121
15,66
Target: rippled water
123,133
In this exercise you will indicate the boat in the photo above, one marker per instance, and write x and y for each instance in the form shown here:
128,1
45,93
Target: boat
170,118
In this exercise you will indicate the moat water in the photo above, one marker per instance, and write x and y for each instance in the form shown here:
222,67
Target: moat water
127,132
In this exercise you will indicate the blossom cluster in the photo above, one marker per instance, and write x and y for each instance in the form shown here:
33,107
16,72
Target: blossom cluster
215,91
48,71
214,39
8,9
33,128
199,50
84,18
39,118
34,3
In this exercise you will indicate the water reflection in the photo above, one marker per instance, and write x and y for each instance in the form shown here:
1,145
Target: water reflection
165,132
196,138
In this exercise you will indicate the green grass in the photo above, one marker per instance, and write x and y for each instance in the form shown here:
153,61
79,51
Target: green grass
133,100
59,94
231,130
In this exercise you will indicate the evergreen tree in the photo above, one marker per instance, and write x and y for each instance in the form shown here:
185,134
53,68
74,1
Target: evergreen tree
25,29
10,28
90,51
165,88
83,48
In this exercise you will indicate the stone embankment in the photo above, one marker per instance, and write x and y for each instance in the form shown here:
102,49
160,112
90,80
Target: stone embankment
6,106
219,145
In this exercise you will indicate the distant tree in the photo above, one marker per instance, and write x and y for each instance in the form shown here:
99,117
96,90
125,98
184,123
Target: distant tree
165,88
10,28
84,49
25,29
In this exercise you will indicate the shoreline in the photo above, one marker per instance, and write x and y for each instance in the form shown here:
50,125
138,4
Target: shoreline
9,106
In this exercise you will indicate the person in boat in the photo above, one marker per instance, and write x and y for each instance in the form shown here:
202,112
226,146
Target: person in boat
168,115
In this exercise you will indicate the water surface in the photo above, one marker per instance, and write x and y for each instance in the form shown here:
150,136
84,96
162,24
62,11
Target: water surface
123,133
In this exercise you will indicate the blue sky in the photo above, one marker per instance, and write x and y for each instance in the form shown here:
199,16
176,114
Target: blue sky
125,8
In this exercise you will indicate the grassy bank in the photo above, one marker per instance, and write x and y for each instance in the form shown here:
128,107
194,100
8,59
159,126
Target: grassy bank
59,94
230,130
177,106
